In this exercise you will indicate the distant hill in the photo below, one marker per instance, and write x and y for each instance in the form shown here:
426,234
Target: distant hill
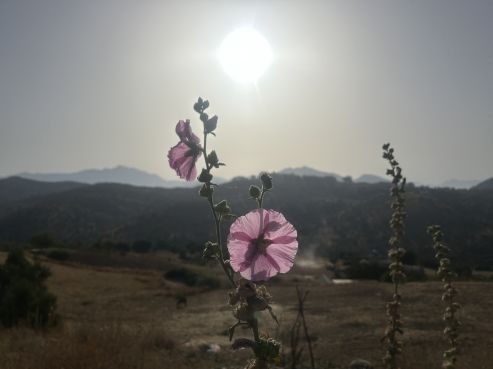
344,219
13,189
119,174
309,172
464,184
485,185
370,178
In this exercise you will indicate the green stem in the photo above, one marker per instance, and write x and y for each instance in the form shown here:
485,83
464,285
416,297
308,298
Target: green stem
260,200
217,220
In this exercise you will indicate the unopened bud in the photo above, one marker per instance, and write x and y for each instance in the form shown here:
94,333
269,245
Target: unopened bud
205,176
254,192
210,124
206,191
210,250
266,181
213,159
222,207
199,105
204,117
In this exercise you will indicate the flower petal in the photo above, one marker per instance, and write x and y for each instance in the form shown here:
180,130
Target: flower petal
184,131
240,254
283,254
248,224
261,269
278,227
183,164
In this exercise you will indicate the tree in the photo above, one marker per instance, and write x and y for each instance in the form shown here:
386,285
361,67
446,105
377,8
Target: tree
23,293
142,246
42,240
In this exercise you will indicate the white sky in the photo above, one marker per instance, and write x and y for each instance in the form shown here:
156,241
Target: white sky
91,84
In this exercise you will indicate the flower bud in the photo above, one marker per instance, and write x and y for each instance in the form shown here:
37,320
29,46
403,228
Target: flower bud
254,192
210,124
266,181
199,105
222,207
204,117
206,191
213,159
210,250
205,176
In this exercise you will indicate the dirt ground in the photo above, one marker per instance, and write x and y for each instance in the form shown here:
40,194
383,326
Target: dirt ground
128,318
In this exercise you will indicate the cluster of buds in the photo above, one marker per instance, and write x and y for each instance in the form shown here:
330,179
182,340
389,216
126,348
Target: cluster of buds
258,193
246,300
445,273
396,253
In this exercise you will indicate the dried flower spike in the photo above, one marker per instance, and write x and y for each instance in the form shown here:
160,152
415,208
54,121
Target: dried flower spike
396,252
452,307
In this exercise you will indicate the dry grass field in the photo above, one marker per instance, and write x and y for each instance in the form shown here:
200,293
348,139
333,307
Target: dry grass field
120,317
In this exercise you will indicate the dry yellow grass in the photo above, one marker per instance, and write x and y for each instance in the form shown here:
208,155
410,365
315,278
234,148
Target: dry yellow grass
127,318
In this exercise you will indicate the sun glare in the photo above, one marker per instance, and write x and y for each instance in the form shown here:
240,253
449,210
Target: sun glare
245,55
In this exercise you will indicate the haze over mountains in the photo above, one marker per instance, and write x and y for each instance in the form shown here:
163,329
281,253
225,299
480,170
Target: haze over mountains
136,177
119,174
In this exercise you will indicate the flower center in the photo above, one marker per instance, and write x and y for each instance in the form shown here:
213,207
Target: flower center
261,243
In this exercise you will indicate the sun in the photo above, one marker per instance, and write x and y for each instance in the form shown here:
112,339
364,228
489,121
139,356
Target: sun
245,55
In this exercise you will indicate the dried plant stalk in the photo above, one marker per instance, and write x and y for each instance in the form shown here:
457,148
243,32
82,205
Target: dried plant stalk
396,252
452,307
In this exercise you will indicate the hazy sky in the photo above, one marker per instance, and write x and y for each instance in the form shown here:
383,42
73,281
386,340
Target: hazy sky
91,84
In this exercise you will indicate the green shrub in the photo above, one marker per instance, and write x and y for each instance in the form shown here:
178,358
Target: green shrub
191,278
378,270
182,275
364,269
23,294
60,255
42,240
142,246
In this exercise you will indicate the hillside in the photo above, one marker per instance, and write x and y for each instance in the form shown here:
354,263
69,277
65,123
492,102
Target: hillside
333,218
119,174
16,188
485,185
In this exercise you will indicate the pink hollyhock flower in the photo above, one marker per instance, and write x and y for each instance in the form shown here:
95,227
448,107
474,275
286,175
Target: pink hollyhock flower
183,156
261,244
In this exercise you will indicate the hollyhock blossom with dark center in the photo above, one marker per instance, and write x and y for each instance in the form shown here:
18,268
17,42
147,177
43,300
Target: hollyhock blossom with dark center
261,244
183,156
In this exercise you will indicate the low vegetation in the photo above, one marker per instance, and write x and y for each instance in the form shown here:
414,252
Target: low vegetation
24,298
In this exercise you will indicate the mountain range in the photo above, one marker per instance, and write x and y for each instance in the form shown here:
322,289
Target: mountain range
136,177
118,174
